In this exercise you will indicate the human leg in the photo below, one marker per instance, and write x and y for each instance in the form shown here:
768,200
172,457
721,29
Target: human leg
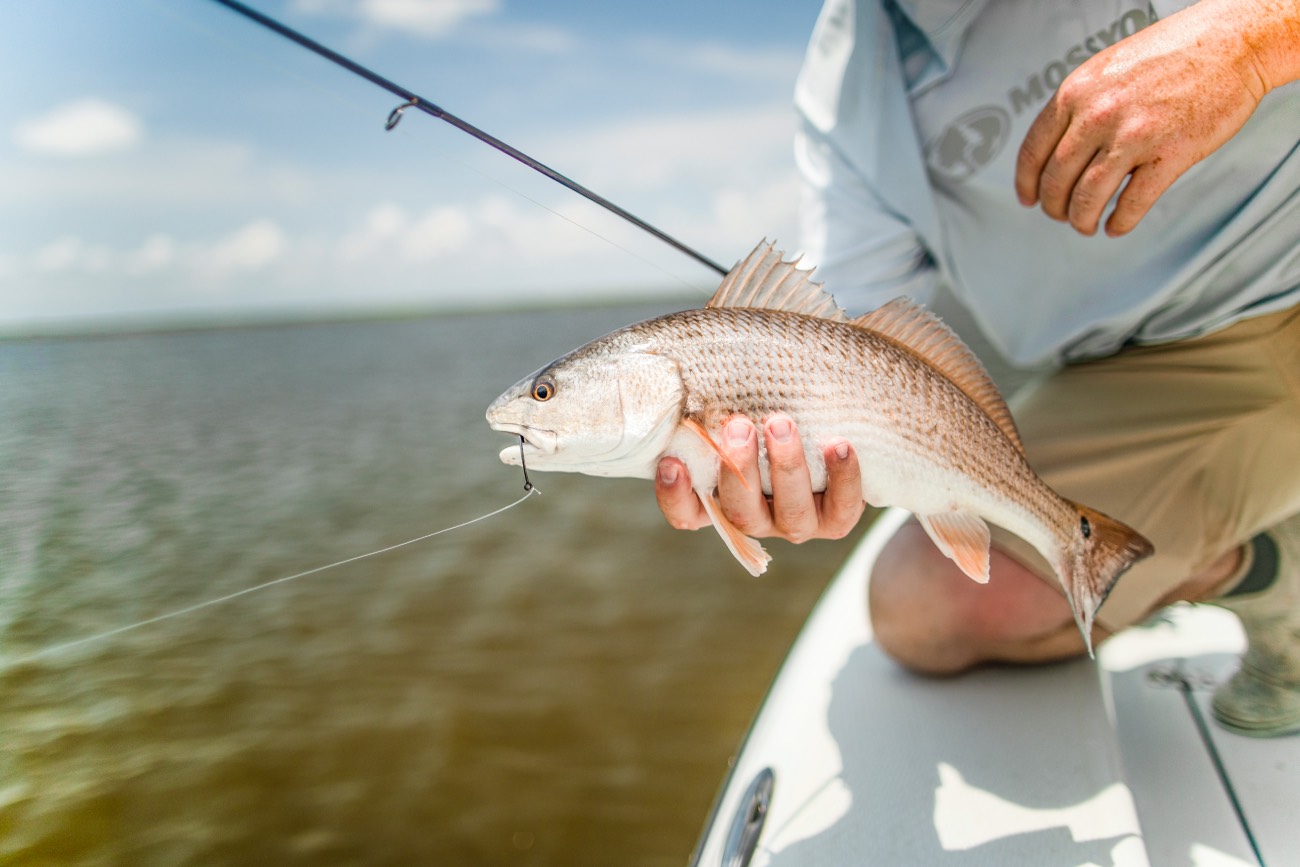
928,616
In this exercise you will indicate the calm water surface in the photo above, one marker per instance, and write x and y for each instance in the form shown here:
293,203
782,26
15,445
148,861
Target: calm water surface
560,685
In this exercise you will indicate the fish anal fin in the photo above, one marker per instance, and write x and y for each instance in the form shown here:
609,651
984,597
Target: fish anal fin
964,538
767,282
925,335
698,429
744,548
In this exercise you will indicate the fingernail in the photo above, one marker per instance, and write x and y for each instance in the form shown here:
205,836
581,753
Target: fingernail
668,474
842,451
779,429
738,432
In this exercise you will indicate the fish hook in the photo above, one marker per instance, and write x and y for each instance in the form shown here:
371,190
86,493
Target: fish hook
395,115
528,486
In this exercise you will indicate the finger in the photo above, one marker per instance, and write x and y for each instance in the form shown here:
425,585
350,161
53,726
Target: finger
1096,187
1061,175
677,501
1147,183
794,512
1036,149
743,502
842,504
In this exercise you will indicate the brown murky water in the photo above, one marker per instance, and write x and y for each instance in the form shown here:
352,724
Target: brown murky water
560,685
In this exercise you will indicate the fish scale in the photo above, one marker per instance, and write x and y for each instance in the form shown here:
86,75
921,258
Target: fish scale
932,433
823,378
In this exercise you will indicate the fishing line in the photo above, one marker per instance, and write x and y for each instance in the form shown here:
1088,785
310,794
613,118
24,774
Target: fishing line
413,100
529,490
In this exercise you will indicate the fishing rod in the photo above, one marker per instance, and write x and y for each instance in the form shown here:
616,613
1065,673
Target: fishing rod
424,105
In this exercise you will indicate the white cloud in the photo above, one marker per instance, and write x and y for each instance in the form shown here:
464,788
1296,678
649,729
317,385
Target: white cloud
77,129
380,226
649,151
70,253
496,249
744,63
742,216
167,173
442,230
718,182
157,252
388,232
59,255
251,248
535,38
429,18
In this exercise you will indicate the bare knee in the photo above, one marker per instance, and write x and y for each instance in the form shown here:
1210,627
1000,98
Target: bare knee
914,622
928,616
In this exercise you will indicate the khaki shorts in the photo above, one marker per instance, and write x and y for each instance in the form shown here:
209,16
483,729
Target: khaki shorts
1195,444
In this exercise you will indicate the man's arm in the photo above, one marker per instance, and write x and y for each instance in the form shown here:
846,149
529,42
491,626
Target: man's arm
1151,106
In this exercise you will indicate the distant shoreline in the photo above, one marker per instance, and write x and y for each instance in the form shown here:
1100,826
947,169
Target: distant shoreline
172,323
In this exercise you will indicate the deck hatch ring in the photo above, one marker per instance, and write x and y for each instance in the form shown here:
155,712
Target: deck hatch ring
747,824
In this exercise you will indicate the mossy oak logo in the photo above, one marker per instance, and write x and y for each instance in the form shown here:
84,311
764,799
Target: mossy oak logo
969,143
974,140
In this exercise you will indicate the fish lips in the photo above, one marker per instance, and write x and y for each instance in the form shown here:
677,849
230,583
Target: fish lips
537,441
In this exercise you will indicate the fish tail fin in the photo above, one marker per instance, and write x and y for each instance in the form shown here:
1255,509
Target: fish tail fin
1104,549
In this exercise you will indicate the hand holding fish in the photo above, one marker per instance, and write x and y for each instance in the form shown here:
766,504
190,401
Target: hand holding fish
794,512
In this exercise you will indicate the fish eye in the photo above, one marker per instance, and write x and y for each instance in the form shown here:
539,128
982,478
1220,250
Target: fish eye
543,389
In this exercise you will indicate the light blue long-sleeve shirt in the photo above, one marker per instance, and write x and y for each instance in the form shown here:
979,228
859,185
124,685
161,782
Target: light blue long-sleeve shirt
913,112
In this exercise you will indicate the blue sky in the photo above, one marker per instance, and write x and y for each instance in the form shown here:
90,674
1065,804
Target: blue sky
168,158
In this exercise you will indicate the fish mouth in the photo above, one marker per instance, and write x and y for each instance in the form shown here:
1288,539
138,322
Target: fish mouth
536,441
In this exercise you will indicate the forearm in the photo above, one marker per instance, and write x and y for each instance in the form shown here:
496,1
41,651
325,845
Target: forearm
1269,33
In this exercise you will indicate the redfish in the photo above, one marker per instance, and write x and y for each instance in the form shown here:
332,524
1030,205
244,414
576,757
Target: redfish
932,431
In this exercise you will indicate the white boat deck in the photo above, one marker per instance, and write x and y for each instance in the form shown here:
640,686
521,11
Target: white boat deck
1246,805
1111,763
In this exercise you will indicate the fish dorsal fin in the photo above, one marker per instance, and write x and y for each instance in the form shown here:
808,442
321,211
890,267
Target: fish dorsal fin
764,281
925,335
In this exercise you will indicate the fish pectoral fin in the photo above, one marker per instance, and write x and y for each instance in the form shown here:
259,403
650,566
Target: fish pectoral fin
963,537
745,549
698,429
